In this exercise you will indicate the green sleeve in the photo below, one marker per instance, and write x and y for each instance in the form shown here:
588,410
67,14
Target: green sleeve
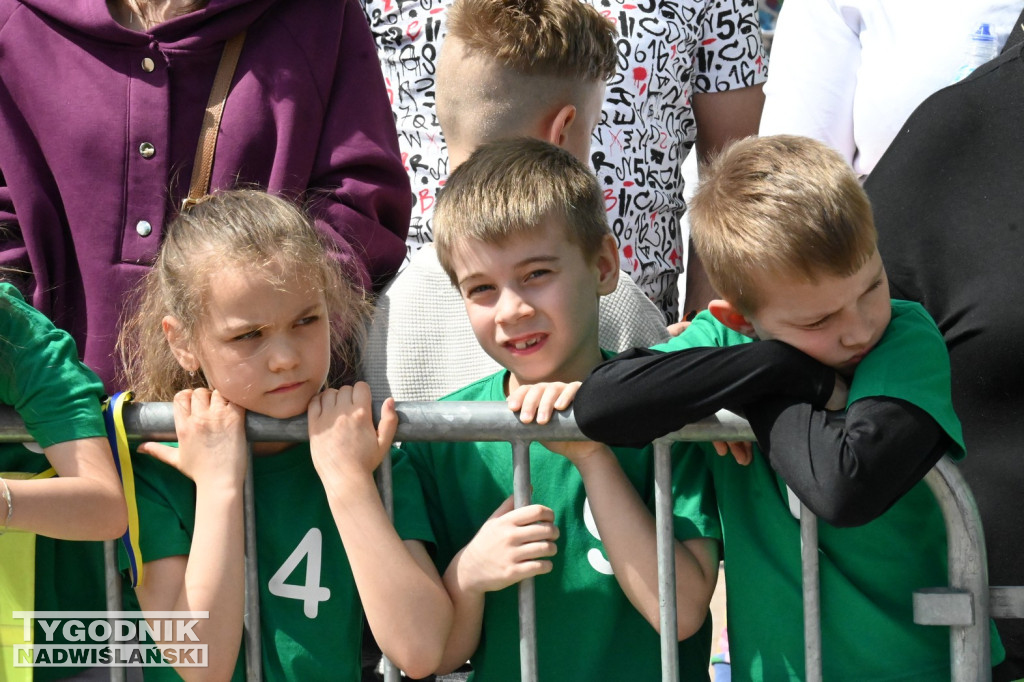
167,509
703,332
411,520
57,396
911,363
695,507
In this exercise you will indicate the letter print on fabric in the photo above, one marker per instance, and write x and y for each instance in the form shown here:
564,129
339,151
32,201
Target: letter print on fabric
668,51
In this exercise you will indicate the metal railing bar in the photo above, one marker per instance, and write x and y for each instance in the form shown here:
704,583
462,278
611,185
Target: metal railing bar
809,568
1006,602
418,421
251,635
665,534
474,421
112,577
968,570
387,495
522,494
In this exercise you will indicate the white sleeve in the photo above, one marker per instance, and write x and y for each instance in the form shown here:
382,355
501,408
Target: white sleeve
815,57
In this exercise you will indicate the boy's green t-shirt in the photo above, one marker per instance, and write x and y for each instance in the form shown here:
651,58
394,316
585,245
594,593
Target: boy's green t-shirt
310,614
868,573
586,627
59,399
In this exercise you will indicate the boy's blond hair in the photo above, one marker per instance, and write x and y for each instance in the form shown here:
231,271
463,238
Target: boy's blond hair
525,54
508,188
786,206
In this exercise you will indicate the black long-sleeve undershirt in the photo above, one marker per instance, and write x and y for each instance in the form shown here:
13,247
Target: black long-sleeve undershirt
642,394
848,467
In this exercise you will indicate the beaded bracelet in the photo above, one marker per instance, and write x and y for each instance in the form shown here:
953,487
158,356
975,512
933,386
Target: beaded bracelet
10,505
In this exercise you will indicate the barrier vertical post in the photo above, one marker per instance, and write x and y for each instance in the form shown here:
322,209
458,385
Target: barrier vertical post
253,644
387,494
113,585
521,495
968,571
812,594
665,534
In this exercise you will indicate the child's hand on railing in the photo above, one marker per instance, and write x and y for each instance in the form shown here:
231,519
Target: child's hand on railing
342,439
512,545
211,438
742,451
536,402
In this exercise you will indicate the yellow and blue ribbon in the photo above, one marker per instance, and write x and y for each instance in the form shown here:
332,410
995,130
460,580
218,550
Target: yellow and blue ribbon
118,438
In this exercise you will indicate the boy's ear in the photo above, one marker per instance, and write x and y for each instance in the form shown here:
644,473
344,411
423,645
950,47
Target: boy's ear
175,335
557,130
731,317
607,263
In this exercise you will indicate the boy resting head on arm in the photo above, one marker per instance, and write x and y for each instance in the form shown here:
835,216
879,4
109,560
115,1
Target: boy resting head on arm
787,236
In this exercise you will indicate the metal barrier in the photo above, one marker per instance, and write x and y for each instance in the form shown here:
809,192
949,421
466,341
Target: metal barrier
964,605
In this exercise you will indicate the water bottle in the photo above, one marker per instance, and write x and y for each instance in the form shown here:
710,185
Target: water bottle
982,48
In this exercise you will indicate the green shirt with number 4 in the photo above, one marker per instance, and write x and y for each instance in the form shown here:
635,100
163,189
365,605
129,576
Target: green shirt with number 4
310,615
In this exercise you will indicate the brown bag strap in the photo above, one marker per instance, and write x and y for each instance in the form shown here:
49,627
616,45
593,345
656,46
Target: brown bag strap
203,165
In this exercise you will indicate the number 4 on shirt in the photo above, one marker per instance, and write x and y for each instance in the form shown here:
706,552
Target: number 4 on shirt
310,593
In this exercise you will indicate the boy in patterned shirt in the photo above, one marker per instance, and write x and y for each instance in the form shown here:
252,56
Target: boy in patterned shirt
690,74
506,68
